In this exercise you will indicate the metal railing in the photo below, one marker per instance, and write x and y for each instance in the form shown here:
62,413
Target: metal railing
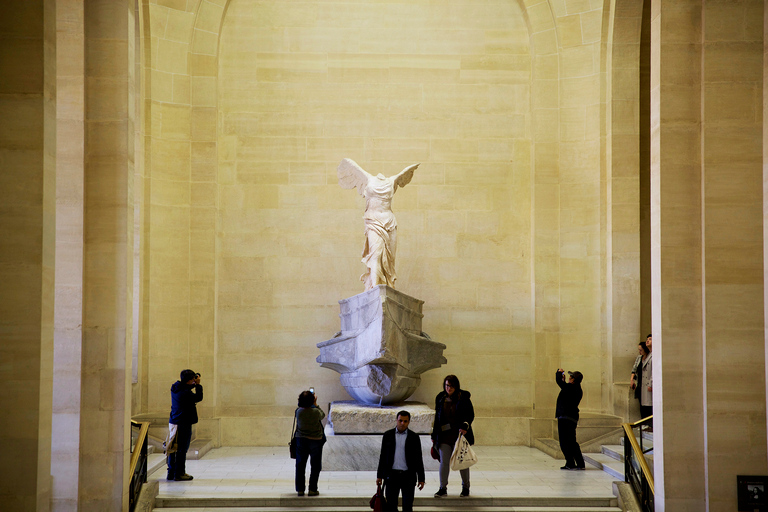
637,472
138,470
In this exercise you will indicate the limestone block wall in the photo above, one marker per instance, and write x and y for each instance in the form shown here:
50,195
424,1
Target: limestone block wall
179,198
70,241
386,84
707,256
248,242
621,225
27,228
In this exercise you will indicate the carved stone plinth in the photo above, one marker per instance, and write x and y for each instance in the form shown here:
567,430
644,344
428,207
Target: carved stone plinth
347,417
381,351
354,434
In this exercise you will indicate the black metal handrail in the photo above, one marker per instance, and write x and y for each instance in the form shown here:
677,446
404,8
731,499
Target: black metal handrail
637,472
138,461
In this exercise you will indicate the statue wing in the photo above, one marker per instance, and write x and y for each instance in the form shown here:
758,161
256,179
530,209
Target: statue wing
405,176
352,175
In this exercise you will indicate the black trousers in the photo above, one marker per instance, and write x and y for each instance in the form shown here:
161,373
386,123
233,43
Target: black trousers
308,450
568,444
397,482
177,462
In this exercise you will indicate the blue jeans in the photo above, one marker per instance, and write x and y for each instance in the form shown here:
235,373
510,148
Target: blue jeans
177,461
312,450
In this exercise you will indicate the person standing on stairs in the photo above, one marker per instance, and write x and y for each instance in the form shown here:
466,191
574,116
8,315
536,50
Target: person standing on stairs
636,377
646,388
185,393
567,413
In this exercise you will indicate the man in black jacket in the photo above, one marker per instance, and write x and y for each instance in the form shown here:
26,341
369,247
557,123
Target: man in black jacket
400,463
567,413
185,393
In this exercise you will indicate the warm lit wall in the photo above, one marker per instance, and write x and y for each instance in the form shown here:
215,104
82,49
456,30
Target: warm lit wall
27,230
302,86
249,242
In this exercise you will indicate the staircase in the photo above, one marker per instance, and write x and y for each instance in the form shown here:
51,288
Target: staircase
357,504
158,432
594,431
611,457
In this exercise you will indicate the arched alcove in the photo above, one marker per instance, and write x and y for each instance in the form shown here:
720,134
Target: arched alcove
299,88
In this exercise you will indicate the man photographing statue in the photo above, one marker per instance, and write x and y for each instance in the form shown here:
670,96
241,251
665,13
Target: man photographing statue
567,413
185,394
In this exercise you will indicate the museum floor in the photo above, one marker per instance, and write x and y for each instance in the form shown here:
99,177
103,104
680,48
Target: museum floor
267,472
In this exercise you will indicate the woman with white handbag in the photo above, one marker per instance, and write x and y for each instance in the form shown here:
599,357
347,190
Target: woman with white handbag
454,414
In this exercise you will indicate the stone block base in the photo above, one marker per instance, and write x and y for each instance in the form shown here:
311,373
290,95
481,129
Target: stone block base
348,417
356,452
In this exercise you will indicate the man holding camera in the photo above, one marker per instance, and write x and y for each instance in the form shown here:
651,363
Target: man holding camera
185,393
567,413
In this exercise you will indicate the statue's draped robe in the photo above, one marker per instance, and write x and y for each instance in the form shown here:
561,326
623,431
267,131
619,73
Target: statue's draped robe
380,233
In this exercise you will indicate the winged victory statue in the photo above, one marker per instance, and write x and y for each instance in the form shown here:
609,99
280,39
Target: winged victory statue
380,223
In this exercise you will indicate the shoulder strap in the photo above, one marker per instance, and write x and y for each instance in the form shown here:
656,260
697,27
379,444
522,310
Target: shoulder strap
293,429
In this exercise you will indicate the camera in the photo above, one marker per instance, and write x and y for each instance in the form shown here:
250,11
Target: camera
312,390
197,375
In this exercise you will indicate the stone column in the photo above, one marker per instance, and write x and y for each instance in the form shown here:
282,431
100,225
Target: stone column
622,190
107,271
68,311
27,174
676,255
732,237
707,251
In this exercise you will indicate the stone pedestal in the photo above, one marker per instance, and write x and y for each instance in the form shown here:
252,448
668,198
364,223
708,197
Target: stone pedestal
354,434
381,351
347,417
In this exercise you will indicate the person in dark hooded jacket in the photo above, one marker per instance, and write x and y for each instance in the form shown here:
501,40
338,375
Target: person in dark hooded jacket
185,393
454,414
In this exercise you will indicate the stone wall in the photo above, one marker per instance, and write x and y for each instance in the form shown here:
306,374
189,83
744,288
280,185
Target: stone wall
386,84
500,230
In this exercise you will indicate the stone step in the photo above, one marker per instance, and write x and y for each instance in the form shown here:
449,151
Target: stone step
352,503
421,509
552,446
155,461
647,441
589,419
615,451
606,463
647,445
198,448
549,446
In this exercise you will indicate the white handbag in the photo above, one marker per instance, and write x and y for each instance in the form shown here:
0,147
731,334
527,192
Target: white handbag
463,455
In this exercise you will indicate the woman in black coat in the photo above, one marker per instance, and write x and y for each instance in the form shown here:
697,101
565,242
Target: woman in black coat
453,415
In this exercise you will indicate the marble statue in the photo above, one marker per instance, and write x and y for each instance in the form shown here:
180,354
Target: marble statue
380,223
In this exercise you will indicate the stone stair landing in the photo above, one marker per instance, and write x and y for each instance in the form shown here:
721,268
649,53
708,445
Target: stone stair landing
158,432
611,456
593,431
